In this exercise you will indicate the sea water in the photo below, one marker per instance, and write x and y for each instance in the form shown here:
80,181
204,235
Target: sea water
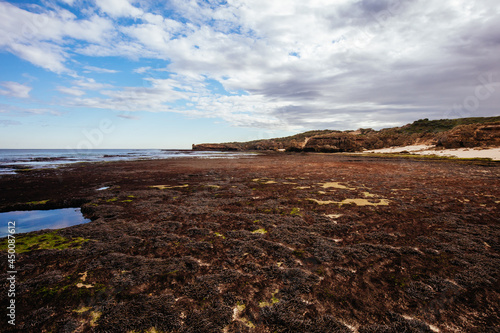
14,159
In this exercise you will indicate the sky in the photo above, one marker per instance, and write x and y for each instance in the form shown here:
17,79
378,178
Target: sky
90,74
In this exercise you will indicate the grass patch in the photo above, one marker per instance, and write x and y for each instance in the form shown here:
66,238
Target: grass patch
48,241
112,200
260,231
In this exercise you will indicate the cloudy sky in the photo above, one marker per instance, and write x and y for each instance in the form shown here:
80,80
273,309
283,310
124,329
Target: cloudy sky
166,74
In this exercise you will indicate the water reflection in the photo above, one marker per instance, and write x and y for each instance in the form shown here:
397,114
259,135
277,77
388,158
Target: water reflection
41,219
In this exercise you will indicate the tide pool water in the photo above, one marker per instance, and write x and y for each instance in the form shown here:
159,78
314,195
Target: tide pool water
32,220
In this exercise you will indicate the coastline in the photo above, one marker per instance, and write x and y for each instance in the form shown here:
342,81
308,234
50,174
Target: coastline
492,153
22,160
276,242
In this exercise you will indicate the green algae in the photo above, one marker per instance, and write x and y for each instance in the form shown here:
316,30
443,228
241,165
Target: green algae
358,202
48,241
274,300
41,202
220,235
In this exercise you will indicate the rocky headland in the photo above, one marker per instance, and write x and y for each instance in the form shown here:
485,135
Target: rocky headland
445,133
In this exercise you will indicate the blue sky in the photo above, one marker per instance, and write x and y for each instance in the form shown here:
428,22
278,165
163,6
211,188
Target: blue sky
150,74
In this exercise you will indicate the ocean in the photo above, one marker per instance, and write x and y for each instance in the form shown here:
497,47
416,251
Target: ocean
18,159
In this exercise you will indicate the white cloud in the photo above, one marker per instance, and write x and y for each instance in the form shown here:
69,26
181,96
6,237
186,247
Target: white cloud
118,8
80,86
317,63
41,111
126,116
142,70
38,37
71,91
45,55
100,70
91,84
154,98
15,89
313,64
68,2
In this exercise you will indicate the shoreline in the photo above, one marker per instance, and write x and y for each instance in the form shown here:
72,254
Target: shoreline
492,153
11,161
276,242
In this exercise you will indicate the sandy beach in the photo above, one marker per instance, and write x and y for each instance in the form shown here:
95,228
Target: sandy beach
478,152
274,243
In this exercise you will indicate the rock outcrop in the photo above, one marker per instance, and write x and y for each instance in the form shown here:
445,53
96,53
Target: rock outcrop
214,147
447,133
334,143
471,136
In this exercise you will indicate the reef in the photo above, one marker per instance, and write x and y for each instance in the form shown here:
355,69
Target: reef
274,243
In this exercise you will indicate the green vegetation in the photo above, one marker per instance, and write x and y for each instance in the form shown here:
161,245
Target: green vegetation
150,330
240,306
274,300
112,200
260,231
442,125
299,137
41,202
220,235
23,170
82,309
298,253
47,293
247,322
94,318
48,241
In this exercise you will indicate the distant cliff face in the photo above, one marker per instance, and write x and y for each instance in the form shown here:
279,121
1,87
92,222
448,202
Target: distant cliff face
447,133
470,136
341,142
214,147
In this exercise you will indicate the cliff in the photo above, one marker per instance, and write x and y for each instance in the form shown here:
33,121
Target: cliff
215,147
447,133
